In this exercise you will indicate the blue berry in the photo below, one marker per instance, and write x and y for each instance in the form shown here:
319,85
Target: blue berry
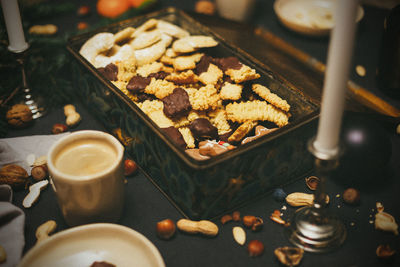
279,194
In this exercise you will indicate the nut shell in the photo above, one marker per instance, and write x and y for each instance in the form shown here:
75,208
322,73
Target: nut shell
257,225
249,220
385,251
19,115
13,175
289,256
312,182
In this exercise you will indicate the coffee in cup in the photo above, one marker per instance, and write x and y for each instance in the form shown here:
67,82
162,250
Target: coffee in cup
86,168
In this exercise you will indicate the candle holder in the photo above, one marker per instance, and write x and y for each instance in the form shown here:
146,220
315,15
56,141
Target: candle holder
35,103
313,228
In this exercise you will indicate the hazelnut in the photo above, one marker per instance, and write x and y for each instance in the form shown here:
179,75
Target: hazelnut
205,7
82,25
236,216
257,225
59,128
384,251
130,167
351,196
83,11
19,115
166,229
226,218
249,220
13,175
39,172
255,248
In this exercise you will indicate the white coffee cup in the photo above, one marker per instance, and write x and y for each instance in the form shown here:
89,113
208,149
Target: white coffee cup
87,173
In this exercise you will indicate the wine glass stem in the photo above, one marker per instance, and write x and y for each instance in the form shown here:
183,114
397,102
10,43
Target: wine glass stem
34,103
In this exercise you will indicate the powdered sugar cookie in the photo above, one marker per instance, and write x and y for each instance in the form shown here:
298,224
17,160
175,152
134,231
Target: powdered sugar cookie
171,29
97,44
123,53
192,43
146,39
151,23
123,35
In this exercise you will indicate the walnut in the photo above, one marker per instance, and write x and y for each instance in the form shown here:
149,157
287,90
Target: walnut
19,115
13,175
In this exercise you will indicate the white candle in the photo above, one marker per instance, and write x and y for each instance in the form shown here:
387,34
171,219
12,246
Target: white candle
12,17
336,77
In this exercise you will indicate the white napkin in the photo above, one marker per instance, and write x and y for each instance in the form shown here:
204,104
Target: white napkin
16,150
12,221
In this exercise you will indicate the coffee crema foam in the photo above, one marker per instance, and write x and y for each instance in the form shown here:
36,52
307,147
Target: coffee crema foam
85,157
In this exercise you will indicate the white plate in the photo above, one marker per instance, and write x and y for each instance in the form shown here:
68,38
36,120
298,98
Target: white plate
81,246
310,17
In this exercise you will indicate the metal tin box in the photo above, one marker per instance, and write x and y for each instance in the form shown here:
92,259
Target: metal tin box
200,189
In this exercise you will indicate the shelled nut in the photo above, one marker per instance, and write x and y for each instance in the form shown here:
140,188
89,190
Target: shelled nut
351,196
39,172
226,218
255,248
166,229
236,216
239,235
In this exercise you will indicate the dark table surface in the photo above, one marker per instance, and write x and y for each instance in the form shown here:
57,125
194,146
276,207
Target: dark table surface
145,205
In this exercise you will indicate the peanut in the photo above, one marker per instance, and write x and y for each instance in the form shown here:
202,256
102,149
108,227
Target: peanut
301,199
44,230
72,117
193,227
47,29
